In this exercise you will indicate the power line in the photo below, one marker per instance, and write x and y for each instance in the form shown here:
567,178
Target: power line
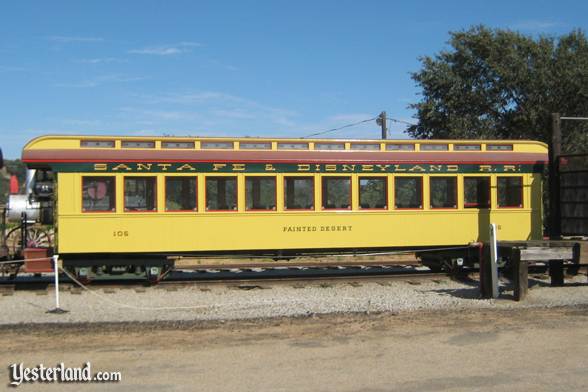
339,128
358,123
399,121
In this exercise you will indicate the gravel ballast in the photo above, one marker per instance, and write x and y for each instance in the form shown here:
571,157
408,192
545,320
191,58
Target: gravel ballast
220,302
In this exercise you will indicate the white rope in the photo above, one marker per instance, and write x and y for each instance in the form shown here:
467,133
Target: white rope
23,260
154,308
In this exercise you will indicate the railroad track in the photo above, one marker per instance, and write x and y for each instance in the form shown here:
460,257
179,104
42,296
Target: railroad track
260,273
252,273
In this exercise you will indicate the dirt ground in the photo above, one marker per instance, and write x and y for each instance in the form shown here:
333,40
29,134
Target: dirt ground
482,350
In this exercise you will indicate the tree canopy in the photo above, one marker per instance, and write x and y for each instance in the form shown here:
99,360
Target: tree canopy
501,84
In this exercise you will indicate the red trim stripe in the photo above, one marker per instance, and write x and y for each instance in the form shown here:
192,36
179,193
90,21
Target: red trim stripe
317,157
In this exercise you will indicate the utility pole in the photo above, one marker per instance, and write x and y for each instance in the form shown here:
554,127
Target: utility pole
381,121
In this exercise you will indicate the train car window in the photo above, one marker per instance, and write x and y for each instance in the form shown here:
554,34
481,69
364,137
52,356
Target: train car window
98,194
140,194
443,192
400,147
365,146
408,192
434,147
216,145
298,193
221,193
499,147
476,192
260,193
255,145
329,146
467,147
180,194
97,143
177,145
510,192
373,192
292,146
137,144
336,193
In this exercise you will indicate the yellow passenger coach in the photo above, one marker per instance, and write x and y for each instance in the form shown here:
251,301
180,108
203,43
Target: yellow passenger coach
123,200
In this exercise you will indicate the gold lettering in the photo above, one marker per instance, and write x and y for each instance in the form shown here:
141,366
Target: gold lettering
383,167
317,168
452,168
330,167
186,166
143,166
303,167
434,168
508,168
218,166
398,168
367,167
238,166
269,167
100,166
349,168
416,168
121,166
485,168
164,166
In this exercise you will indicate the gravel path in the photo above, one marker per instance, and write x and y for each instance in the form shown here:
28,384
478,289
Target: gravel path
211,302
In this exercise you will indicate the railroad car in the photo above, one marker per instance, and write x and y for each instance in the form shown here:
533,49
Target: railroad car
130,204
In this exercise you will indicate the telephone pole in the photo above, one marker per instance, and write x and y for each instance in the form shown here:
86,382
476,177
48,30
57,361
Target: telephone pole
381,121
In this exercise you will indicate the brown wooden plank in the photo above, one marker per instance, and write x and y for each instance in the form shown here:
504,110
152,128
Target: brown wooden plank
546,254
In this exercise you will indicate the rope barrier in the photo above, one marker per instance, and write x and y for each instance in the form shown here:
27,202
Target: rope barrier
156,308
57,268
23,260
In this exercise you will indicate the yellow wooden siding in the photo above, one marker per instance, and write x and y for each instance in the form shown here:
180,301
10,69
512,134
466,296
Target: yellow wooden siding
163,231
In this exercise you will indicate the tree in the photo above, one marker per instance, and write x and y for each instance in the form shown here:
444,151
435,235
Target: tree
501,84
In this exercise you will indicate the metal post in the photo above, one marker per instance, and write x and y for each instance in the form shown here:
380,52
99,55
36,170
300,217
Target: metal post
554,153
494,260
23,233
57,309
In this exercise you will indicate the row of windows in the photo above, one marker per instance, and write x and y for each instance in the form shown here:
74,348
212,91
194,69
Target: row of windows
267,145
140,193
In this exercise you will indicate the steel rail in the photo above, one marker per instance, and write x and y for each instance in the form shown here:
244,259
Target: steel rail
245,273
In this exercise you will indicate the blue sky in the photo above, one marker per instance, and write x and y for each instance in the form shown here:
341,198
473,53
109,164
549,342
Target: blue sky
242,68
